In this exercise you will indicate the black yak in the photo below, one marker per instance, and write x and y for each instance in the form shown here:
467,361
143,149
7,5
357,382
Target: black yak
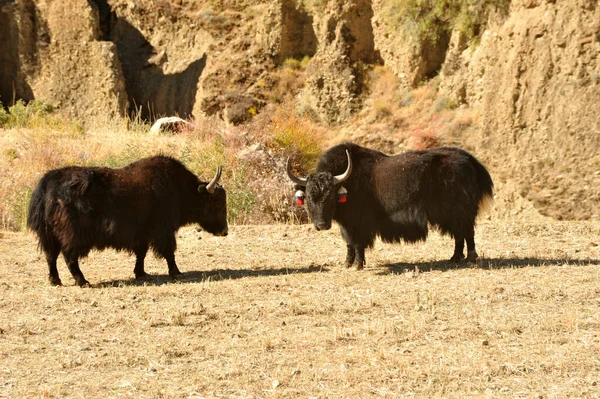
396,197
134,208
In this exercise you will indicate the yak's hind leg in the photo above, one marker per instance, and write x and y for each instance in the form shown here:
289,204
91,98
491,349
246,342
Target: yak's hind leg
471,253
72,260
51,257
459,247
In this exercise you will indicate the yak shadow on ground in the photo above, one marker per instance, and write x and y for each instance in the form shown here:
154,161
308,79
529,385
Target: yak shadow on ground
213,275
485,263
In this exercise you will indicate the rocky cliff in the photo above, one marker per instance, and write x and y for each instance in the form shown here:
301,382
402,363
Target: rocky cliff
531,71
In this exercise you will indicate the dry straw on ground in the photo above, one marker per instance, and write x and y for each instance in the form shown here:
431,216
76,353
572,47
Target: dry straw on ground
268,312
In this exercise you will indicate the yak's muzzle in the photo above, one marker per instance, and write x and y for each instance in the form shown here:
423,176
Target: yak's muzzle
322,226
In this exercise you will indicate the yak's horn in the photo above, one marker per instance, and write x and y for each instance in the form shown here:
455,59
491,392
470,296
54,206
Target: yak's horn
293,177
210,187
340,178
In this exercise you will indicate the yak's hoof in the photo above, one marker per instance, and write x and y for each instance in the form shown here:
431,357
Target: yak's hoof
84,284
457,258
472,256
55,281
175,275
142,276
347,265
360,265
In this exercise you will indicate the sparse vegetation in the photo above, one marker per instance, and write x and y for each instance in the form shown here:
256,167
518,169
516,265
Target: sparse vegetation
31,148
432,19
36,114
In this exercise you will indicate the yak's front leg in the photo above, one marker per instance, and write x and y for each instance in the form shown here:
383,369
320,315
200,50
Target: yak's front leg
140,256
350,255
166,248
355,255
471,253
360,261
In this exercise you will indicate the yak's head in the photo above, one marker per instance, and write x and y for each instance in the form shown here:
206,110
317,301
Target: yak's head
213,213
322,192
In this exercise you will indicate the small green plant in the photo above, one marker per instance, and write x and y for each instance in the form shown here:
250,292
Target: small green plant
381,109
444,103
4,116
11,154
291,63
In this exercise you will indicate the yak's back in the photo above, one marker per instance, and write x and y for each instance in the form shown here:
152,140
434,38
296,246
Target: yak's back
335,161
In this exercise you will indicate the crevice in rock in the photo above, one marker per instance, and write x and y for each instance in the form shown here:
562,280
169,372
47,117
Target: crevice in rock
360,37
298,37
151,92
105,17
13,86
433,55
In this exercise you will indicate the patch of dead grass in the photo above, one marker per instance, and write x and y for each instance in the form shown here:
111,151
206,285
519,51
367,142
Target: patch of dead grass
269,312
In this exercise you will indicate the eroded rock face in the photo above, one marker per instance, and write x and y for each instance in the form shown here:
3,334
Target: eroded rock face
60,59
411,58
20,26
334,77
536,79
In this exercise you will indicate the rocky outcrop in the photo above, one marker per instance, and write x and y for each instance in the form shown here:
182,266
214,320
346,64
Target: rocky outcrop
59,57
532,74
535,77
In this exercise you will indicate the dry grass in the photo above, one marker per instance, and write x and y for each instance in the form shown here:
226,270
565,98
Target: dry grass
396,118
267,312
253,180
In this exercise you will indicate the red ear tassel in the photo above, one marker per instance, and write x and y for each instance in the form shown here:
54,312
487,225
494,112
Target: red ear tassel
342,195
300,198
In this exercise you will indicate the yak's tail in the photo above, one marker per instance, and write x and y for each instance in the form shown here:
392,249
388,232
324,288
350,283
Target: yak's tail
485,186
37,217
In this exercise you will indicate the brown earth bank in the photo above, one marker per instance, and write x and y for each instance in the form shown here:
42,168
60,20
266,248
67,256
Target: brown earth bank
268,312
523,81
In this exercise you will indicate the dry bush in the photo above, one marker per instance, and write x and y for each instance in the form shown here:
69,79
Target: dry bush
423,139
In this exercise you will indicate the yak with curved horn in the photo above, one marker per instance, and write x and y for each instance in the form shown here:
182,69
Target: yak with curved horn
135,208
397,198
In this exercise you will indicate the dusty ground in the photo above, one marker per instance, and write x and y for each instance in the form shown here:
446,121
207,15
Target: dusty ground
267,312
